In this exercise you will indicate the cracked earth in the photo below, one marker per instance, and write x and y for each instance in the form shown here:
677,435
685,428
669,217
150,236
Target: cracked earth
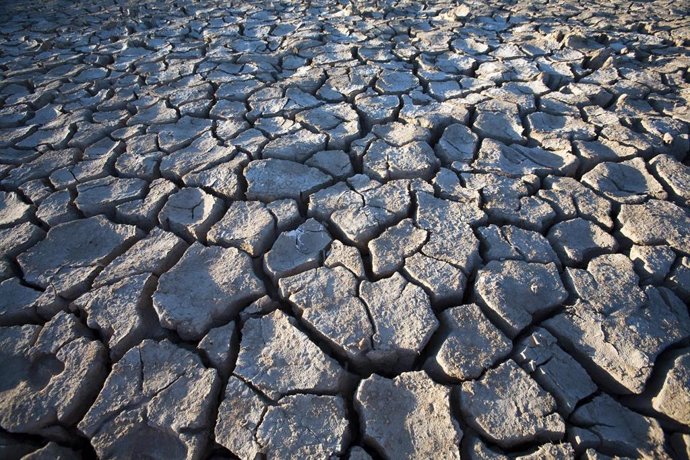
344,229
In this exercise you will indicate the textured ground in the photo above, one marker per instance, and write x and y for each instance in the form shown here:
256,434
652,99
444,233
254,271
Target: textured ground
354,229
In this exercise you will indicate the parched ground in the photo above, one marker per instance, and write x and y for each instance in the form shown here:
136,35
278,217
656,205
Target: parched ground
344,229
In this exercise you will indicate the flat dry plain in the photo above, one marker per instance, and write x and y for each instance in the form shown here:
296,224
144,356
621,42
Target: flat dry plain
344,229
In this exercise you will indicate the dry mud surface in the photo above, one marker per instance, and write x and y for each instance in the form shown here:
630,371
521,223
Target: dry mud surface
332,229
